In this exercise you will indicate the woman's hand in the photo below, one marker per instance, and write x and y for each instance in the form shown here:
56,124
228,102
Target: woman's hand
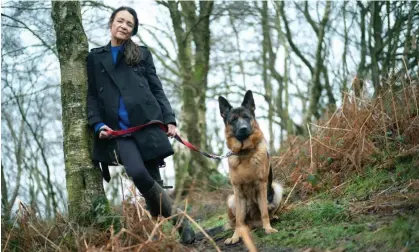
103,132
171,130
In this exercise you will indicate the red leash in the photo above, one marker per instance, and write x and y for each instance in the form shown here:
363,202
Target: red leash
118,133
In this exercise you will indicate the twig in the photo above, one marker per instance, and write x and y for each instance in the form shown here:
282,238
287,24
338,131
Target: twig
289,194
345,99
203,231
158,224
247,239
330,148
360,100
395,111
122,187
414,98
331,128
311,147
140,247
181,219
331,117
336,187
385,190
404,62
136,203
368,117
130,247
8,236
413,91
46,238
384,122
404,89
124,230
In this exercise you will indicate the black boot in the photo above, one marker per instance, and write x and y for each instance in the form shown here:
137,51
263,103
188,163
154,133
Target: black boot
186,232
159,203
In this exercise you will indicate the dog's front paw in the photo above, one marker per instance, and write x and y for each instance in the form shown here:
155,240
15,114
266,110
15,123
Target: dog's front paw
270,230
233,240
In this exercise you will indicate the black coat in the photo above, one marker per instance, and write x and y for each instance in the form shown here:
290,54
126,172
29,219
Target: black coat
143,97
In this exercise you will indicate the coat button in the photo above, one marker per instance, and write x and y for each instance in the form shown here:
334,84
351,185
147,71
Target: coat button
101,89
135,69
103,70
141,85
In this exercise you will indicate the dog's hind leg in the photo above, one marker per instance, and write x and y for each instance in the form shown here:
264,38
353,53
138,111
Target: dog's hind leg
263,207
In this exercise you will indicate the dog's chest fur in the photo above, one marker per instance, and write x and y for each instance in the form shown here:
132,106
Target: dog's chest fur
251,168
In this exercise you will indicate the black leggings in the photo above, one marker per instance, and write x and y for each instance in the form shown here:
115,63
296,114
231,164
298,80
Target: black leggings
142,173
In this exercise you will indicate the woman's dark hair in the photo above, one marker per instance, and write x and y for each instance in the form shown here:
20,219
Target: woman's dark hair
131,50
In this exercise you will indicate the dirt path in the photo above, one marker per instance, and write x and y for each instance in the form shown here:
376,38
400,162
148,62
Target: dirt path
202,244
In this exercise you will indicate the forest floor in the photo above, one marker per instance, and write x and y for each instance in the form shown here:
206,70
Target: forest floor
374,211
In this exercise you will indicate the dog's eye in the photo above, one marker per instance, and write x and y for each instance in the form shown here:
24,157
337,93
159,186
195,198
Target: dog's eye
234,118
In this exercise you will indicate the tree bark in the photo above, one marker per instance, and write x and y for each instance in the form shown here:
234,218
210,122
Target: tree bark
358,84
190,27
268,63
84,182
375,32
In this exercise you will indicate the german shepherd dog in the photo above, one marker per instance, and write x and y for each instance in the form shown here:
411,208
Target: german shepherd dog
256,197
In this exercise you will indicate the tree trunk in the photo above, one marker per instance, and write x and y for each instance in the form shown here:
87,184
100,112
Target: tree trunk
194,66
84,181
269,63
316,87
287,118
4,199
358,83
375,32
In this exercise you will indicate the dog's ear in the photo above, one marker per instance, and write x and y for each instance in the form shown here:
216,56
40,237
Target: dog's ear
225,107
248,101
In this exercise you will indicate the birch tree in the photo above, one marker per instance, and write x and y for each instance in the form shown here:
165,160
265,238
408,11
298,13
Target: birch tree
84,181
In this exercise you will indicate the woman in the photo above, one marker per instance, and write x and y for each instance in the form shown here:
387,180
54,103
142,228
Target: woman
124,91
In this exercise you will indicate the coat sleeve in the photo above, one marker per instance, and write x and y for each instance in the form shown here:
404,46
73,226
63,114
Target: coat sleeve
93,114
158,92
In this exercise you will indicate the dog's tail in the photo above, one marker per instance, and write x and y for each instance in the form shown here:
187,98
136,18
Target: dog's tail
278,190
275,191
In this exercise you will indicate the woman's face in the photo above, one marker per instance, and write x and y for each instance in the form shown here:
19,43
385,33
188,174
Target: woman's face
122,25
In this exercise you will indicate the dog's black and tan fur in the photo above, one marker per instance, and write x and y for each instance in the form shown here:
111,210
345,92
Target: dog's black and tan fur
256,197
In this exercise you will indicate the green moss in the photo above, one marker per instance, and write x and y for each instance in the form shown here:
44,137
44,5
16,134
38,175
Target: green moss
405,170
321,236
328,229
402,232
362,187
317,212
213,221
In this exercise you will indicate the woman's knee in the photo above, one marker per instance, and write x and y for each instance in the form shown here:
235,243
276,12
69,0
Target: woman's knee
138,173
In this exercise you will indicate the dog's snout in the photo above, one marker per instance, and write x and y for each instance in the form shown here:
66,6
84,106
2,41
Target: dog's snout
243,129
